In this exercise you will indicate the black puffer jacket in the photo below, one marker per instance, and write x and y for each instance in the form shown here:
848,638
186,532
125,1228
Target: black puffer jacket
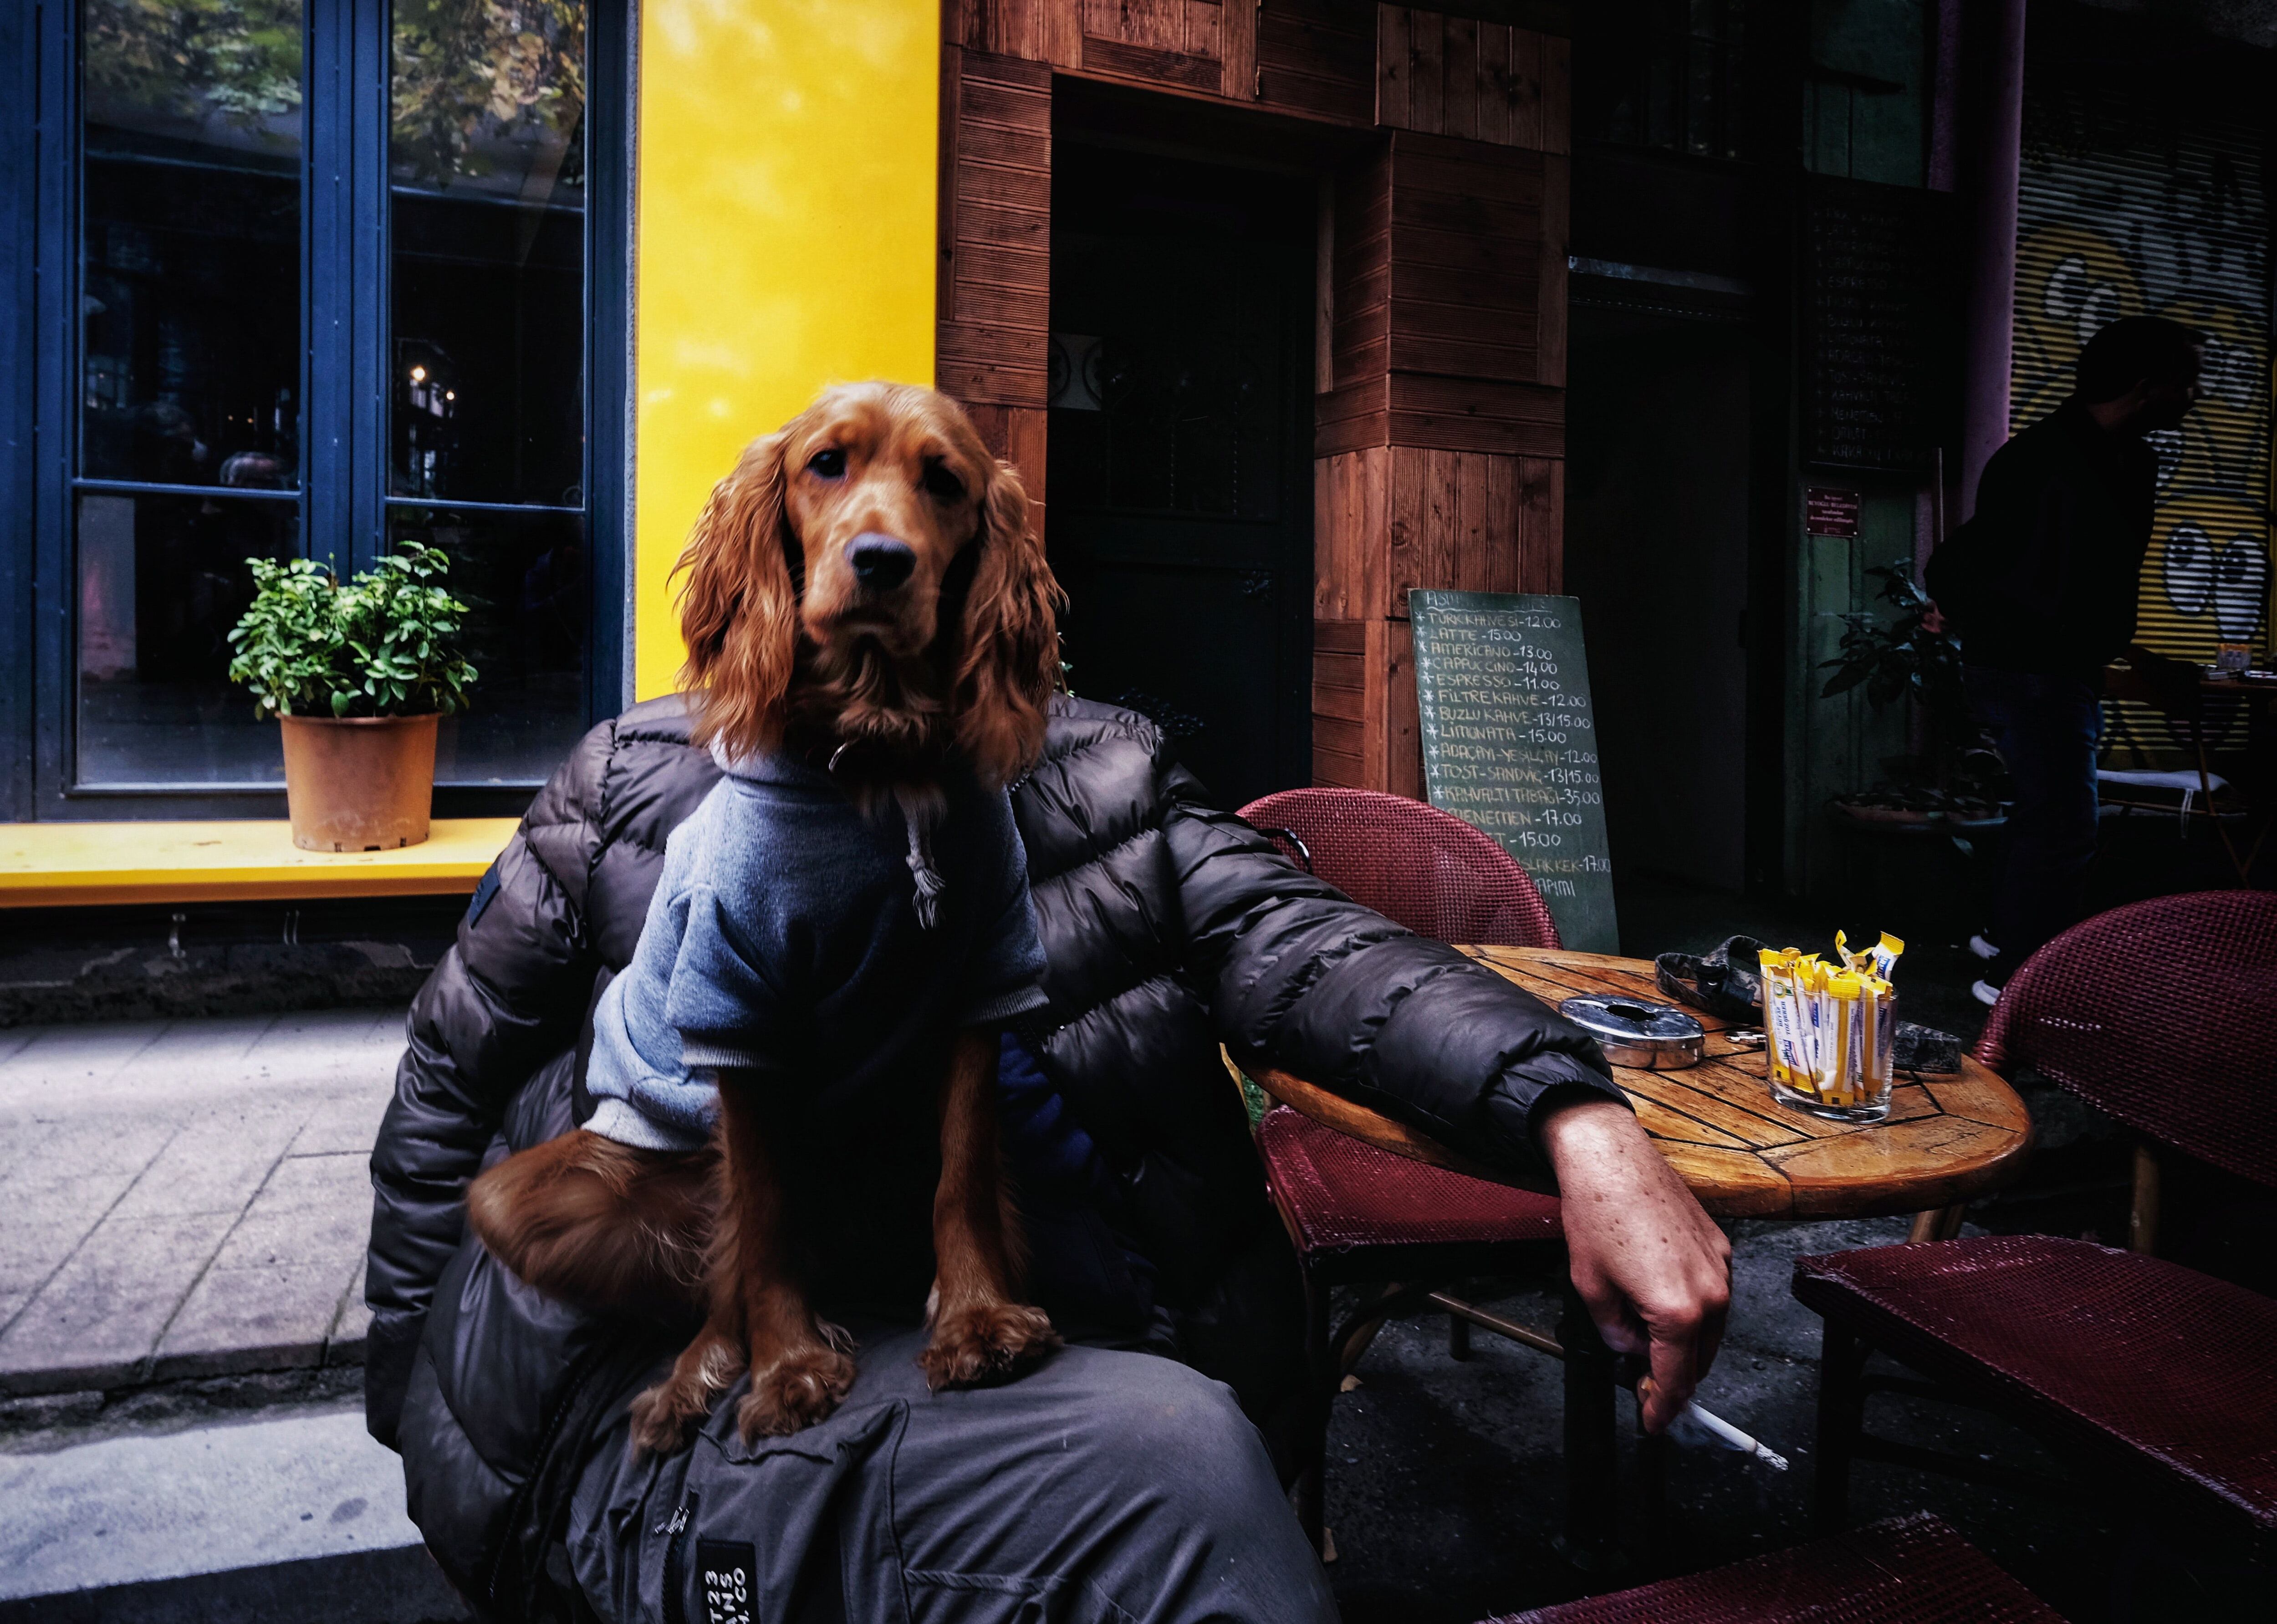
1168,929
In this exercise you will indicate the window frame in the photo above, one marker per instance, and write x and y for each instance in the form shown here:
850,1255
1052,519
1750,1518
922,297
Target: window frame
344,396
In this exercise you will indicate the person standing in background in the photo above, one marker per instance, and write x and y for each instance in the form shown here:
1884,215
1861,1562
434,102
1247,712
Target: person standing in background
2040,585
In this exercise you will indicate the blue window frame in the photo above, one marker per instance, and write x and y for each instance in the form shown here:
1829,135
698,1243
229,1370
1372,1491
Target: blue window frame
314,277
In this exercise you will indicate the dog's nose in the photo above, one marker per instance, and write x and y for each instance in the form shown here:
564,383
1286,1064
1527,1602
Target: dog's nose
880,563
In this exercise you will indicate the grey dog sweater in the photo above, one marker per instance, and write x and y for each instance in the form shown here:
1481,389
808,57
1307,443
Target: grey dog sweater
790,935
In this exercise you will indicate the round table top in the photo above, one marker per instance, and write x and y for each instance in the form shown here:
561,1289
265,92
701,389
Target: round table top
1948,1137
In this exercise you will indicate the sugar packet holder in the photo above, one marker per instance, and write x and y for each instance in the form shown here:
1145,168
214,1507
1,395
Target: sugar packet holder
1831,1028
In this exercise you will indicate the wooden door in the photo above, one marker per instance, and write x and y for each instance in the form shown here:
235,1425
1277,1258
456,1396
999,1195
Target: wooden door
1437,453
1180,445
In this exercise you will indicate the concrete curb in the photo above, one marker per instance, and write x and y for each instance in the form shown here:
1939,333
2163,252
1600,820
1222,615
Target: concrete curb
223,1503
402,1586
114,1376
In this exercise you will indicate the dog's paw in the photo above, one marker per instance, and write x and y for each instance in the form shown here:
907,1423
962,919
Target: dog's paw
985,1342
666,1415
795,1392
664,1419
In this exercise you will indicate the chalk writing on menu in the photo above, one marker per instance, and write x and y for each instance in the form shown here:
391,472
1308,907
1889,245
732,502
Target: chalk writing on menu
1510,743
1873,346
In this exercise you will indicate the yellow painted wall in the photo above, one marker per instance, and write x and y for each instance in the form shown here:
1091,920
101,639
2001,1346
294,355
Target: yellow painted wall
785,240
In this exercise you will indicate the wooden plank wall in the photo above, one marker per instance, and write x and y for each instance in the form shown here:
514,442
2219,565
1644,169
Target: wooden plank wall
1439,445
994,299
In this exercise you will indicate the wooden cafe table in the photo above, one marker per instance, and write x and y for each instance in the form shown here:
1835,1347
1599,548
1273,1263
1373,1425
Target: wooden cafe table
1946,1140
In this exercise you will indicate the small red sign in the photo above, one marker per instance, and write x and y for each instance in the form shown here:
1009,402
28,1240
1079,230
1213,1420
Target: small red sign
1829,513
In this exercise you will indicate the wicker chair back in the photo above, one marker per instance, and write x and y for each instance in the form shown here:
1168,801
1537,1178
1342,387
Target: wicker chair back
1413,864
2163,1013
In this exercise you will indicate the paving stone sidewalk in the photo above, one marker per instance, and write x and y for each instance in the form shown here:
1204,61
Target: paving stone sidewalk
186,1198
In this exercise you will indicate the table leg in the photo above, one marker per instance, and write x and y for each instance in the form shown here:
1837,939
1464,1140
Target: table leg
1591,1540
1938,1223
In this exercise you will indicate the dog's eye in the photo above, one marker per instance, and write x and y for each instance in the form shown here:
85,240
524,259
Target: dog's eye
829,462
942,484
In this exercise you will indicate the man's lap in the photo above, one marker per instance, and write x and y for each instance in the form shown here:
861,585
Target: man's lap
1101,1485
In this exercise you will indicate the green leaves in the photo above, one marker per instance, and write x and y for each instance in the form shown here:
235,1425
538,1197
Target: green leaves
384,645
1903,657
184,57
472,78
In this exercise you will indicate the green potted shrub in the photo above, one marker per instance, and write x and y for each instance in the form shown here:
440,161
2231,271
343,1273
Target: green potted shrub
1957,782
357,675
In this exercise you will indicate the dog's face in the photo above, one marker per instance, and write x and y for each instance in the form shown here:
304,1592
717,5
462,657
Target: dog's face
868,572
882,490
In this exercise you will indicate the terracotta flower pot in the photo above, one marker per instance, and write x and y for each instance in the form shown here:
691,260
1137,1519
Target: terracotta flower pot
360,783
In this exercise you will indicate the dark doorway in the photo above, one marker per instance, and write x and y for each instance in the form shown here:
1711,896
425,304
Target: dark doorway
1180,479
1656,538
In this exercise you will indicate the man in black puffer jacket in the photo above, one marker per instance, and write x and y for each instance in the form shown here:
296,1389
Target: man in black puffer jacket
1168,928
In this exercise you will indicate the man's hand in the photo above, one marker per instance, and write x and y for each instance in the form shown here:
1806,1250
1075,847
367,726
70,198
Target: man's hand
1653,1269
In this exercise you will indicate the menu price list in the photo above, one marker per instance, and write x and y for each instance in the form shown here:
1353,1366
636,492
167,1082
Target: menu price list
1510,743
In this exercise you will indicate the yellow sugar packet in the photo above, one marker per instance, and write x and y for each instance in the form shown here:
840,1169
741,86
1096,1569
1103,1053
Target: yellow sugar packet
1881,1037
1841,1053
1810,984
1885,953
1782,1020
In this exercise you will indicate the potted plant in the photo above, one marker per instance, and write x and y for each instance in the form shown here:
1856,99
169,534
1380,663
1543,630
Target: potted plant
357,675
1954,783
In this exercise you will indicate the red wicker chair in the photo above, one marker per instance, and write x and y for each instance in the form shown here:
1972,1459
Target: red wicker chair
1358,1216
2165,1015
1426,869
1909,1570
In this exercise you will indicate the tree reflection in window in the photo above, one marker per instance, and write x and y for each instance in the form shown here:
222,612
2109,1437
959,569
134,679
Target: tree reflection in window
477,85
149,61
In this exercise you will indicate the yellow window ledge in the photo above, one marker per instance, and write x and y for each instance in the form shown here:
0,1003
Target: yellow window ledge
68,864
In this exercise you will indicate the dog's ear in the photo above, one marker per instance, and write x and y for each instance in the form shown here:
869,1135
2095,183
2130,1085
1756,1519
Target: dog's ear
739,609
1009,660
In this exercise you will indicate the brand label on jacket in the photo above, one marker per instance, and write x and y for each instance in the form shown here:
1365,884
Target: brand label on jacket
728,1568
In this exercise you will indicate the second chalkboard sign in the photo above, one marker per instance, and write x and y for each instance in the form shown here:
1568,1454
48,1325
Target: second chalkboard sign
1510,743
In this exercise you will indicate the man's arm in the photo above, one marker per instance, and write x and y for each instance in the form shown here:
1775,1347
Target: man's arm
1653,1269
1406,1025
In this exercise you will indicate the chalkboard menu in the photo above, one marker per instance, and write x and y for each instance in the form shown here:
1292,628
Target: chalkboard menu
1878,358
1510,746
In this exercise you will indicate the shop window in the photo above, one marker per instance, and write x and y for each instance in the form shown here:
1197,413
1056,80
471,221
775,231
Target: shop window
1662,74
329,275
1866,100
486,348
189,272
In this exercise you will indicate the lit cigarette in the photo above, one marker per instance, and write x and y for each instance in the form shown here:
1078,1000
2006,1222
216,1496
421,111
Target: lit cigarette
1732,1437
1717,1428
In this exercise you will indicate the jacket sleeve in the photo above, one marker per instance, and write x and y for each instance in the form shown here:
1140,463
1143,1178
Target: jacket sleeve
508,996
1300,976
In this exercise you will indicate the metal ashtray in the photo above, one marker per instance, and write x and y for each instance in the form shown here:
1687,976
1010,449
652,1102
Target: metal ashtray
1651,1037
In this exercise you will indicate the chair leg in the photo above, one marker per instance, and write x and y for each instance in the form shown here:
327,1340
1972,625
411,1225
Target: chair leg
1359,1334
1653,1452
1841,1416
1458,1337
1591,1540
1320,1363
2143,1211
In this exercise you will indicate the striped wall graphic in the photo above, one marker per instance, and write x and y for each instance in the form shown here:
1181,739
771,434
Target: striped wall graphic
2122,216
